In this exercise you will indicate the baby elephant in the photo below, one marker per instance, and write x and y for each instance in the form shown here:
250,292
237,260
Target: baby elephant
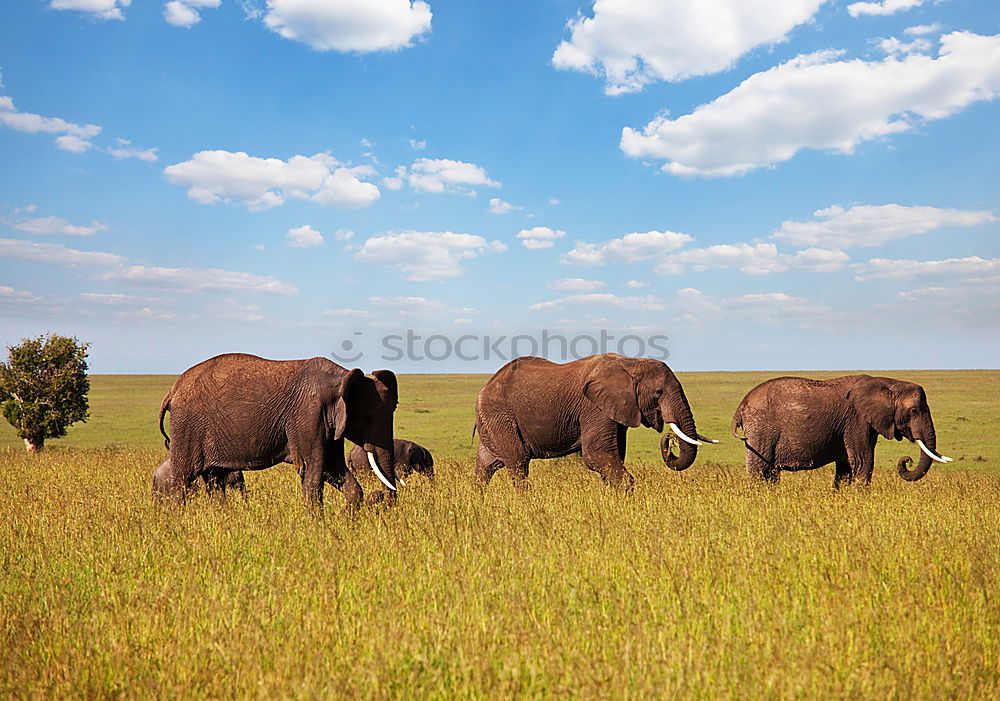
211,481
791,423
408,457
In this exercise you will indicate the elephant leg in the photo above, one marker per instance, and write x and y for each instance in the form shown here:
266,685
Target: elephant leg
175,476
861,467
604,451
844,474
312,479
760,464
486,465
340,477
518,471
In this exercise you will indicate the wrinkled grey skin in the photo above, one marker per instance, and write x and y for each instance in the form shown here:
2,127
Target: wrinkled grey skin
533,408
793,423
212,481
242,412
409,458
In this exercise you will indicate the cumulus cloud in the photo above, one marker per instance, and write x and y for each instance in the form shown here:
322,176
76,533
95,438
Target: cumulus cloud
630,248
304,237
262,183
922,29
767,308
574,284
631,43
874,225
603,299
418,145
54,254
125,149
184,13
886,269
441,175
886,7
818,102
539,237
41,226
426,255
348,25
752,259
97,9
498,206
636,285
71,137
198,280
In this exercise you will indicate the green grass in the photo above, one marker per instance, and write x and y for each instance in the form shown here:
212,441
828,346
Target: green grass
697,584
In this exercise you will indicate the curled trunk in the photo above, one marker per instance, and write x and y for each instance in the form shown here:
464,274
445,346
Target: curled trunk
675,408
925,432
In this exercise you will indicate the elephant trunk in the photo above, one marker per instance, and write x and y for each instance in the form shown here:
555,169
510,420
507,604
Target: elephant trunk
381,460
675,406
921,431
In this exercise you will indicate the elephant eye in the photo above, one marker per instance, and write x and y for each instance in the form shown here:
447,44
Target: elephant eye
658,391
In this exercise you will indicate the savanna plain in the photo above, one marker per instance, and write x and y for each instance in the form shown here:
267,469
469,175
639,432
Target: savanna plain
697,584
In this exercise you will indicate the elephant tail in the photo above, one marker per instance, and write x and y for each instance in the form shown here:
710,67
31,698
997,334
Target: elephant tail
164,408
473,438
738,423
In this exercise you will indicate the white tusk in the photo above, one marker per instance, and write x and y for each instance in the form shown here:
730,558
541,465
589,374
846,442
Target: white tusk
706,440
378,472
930,453
680,434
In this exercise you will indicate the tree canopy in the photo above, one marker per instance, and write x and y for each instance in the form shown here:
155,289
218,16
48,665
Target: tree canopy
44,386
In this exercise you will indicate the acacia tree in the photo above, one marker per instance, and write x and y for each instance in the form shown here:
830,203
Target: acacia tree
44,386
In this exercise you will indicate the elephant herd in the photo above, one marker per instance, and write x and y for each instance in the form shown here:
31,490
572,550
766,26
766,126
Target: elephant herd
238,412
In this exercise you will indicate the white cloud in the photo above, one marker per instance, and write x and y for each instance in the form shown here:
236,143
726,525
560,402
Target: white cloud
631,43
923,29
886,7
574,284
146,314
768,308
72,143
408,306
539,237
636,285
198,280
442,175
98,9
603,299
886,269
118,299
72,137
874,225
348,25
426,255
553,201
817,102
184,13
343,234
262,183
54,254
304,237
630,248
41,226
752,259
418,145
125,149
9,294
892,45
498,206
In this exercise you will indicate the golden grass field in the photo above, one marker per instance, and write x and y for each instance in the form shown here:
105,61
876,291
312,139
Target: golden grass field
697,584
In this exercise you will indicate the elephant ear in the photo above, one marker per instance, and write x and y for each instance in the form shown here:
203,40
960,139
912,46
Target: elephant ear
612,389
340,404
388,378
872,401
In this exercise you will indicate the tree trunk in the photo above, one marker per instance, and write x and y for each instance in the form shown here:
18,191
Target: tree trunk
33,445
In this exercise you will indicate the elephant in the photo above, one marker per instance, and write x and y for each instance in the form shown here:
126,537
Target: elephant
212,481
534,408
242,412
410,457
793,423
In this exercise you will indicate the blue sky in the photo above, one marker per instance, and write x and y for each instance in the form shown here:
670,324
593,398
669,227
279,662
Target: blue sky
803,186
